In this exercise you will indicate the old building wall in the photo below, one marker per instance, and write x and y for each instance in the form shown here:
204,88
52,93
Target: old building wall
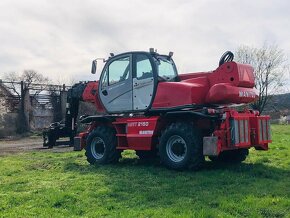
30,109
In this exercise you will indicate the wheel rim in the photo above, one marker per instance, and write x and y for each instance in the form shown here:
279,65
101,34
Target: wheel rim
176,148
98,148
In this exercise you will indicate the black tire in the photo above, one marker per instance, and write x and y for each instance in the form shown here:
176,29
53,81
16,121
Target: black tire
181,147
71,141
49,140
52,143
232,156
146,155
101,146
45,139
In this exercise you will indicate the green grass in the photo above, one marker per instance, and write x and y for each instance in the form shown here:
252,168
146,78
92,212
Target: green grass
47,184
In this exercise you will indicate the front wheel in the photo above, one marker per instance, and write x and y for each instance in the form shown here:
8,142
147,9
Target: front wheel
181,147
101,146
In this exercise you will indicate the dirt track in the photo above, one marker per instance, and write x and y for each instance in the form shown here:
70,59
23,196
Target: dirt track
27,144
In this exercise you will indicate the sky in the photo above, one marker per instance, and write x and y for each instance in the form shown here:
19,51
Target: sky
61,38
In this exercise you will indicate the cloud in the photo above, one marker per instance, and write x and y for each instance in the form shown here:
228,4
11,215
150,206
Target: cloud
60,38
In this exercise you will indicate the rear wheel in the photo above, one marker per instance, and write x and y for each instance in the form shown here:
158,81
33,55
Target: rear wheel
232,156
181,147
101,146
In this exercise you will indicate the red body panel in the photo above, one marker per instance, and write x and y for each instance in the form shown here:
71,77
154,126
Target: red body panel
226,94
236,74
171,94
229,83
136,133
90,94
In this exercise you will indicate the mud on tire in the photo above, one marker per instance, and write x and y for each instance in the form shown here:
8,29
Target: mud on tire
181,147
101,146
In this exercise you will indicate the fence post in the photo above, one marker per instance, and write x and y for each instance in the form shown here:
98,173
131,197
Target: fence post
27,108
23,122
63,97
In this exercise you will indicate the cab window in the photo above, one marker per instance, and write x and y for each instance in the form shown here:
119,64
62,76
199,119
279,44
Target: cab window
104,81
119,70
166,68
144,67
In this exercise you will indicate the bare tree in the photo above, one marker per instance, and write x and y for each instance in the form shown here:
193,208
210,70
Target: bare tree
65,79
31,76
13,79
270,67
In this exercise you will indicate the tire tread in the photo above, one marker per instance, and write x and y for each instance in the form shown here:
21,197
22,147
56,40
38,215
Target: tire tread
109,136
196,158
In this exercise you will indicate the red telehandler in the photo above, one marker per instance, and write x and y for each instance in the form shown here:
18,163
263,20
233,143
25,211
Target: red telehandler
147,107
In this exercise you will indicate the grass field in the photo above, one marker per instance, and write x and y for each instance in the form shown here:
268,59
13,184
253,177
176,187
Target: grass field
53,184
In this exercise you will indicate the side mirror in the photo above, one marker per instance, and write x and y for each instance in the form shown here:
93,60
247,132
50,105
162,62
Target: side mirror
94,67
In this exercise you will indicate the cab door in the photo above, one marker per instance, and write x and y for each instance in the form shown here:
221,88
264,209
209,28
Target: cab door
143,82
115,89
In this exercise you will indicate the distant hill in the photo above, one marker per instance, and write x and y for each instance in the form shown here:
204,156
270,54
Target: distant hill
278,105
279,102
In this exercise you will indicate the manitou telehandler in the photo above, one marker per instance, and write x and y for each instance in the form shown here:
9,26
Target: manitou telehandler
147,107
